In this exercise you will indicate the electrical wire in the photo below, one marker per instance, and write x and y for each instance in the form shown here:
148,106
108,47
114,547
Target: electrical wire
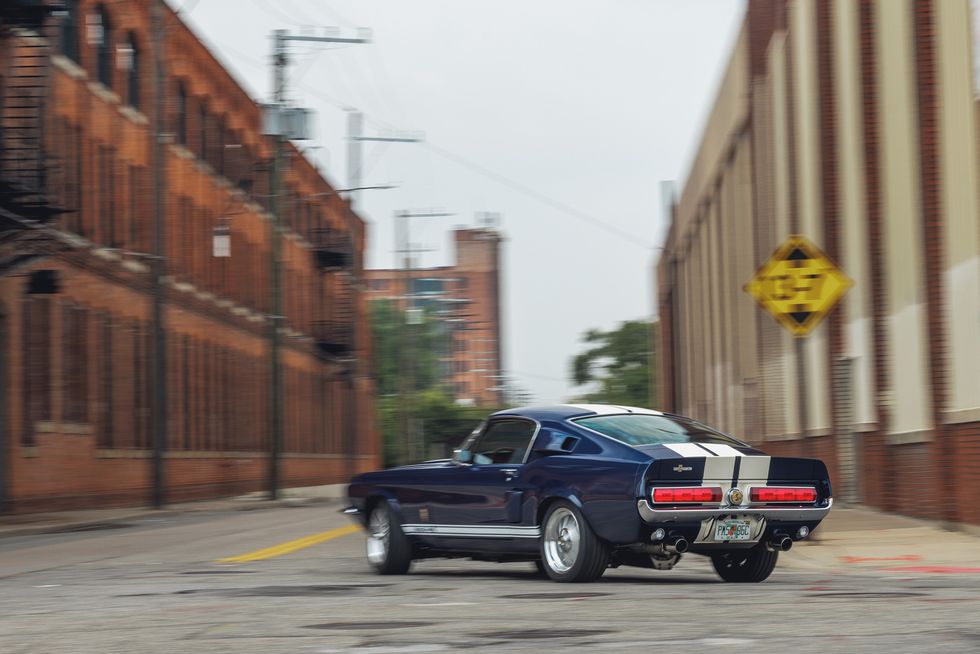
537,195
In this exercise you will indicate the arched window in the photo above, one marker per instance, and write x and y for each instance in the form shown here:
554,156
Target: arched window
101,31
181,119
132,65
69,30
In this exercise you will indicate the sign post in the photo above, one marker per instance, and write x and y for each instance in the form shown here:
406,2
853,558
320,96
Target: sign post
799,285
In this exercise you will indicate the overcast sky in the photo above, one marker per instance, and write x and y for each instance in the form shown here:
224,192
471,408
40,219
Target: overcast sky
563,116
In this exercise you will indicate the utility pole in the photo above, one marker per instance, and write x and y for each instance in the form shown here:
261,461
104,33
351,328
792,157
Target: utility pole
406,353
158,401
355,137
281,124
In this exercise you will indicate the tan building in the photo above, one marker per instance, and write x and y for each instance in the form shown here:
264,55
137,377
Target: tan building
465,300
855,124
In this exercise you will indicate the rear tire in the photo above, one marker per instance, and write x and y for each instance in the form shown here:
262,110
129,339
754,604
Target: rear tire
749,566
388,549
570,550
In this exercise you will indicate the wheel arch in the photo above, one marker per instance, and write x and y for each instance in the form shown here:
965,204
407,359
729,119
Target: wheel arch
556,495
375,497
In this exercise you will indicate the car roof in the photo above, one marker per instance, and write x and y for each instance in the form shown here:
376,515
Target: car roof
567,411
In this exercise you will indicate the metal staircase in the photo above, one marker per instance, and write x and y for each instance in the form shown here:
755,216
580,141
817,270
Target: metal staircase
332,249
335,336
26,200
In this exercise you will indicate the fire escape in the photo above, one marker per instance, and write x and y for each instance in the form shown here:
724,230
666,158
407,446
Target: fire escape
333,252
27,203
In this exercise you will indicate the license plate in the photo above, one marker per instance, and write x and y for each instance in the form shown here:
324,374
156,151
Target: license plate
733,530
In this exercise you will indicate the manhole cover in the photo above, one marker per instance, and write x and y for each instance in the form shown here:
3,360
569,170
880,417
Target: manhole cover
355,626
544,634
555,596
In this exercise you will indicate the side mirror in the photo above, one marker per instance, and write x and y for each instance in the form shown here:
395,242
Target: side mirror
462,456
555,442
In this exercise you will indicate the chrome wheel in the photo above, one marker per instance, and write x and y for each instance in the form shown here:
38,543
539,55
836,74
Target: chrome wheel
562,540
379,536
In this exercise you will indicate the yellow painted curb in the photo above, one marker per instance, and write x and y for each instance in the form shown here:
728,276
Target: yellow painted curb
291,546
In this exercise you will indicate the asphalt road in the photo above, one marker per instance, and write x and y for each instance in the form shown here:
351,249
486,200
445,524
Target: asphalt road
158,586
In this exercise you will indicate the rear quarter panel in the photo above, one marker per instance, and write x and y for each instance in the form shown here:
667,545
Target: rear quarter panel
605,489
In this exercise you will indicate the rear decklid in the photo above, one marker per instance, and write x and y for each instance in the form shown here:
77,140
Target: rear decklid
726,466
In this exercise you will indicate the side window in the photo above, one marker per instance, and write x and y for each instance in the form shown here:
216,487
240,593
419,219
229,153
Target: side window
504,441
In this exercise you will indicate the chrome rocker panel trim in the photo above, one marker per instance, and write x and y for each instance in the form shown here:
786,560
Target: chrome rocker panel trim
770,513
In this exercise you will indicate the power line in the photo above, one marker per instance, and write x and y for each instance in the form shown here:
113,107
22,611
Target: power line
510,183
497,177
537,195
533,376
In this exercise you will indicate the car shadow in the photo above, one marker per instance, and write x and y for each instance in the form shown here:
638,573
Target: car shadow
525,575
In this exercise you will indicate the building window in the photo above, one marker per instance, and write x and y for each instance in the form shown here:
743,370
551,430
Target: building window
135,218
131,64
220,154
100,32
75,363
37,364
69,30
107,372
181,126
202,128
107,210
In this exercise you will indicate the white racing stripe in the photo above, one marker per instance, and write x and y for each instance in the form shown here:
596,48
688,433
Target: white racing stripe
612,410
722,450
755,468
719,468
687,449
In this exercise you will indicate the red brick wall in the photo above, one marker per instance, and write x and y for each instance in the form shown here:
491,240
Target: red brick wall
84,442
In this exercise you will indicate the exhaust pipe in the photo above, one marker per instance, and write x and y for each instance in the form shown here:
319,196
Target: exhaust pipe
780,543
677,546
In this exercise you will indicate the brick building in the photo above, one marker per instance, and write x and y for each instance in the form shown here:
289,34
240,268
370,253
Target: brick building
854,123
464,299
75,311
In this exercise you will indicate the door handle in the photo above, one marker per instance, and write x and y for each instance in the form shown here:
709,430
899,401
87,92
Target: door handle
509,473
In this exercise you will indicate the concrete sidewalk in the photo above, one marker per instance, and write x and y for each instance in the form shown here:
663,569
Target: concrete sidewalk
90,519
858,538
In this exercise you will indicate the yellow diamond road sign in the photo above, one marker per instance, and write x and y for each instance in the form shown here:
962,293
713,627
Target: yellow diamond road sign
798,285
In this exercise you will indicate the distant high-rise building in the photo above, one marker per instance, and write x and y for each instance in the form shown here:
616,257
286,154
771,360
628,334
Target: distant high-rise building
464,301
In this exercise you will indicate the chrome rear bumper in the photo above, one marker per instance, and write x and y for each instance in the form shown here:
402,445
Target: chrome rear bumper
770,513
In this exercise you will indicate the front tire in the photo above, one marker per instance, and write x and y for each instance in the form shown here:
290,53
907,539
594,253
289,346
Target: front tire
570,550
749,566
388,549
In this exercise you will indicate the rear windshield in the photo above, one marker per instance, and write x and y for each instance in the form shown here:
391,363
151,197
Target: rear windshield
643,429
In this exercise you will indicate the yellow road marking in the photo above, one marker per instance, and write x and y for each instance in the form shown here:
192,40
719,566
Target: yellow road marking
291,546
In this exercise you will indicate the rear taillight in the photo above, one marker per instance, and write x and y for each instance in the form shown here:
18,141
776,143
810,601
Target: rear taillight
687,495
770,494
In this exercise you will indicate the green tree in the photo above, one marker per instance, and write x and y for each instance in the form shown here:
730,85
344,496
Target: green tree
398,345
619,363
412,353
